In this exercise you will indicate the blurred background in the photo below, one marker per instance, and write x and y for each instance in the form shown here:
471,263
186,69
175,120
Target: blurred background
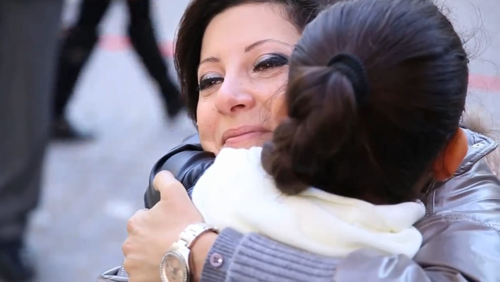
91,188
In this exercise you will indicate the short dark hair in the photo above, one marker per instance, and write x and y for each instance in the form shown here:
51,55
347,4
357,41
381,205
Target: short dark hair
192,27
417,74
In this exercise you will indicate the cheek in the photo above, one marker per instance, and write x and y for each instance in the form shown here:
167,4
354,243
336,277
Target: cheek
278,110
207,126
274,100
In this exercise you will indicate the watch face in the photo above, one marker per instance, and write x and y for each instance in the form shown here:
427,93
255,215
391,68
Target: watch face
175,268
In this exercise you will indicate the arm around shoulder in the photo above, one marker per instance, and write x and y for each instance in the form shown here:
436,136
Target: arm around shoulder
252,257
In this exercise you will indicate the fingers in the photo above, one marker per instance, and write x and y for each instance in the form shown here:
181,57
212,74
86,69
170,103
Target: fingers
168,186
163,178
132,222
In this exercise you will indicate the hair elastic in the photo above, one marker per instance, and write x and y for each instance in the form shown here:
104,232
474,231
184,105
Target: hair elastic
354,69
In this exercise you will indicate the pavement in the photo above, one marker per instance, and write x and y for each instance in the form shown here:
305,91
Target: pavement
91,189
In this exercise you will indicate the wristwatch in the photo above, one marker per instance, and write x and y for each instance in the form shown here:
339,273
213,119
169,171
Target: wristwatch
174,266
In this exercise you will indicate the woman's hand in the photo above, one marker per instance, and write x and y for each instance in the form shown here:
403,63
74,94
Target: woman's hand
152,232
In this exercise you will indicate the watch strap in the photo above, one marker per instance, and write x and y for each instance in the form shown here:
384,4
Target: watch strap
193,231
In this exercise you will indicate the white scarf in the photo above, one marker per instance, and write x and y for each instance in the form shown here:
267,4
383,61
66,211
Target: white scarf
236,192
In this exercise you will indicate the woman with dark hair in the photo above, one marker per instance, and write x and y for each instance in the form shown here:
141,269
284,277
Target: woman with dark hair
340,94
230,80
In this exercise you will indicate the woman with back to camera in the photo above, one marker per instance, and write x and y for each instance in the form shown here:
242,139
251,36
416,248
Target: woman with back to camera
462,213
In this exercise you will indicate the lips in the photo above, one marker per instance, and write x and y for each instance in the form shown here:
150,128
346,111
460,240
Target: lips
240,134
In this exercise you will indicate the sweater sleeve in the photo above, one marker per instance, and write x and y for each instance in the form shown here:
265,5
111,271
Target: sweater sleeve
252,257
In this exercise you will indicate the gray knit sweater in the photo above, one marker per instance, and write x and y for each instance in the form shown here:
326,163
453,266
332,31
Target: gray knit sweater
253,257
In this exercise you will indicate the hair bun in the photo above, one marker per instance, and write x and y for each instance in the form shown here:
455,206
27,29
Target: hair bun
277,160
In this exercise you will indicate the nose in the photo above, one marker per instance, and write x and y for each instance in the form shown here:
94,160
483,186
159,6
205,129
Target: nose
234,96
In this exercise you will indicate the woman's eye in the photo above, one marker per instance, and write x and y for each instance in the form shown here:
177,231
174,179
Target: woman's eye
270,61
209,81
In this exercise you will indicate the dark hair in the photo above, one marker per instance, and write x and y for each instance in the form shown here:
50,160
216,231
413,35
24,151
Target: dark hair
192,27
378,151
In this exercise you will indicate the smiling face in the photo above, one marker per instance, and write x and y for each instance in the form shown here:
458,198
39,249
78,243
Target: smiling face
243,71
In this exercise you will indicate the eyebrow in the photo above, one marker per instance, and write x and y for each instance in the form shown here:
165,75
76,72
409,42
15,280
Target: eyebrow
260,42
247,49
209,60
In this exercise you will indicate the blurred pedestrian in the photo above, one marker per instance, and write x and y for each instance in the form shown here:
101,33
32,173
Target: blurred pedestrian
78,45
28,45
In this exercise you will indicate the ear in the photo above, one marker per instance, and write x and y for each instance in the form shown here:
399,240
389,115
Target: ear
452,156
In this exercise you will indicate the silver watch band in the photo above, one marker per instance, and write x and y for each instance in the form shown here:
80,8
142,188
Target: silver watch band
180,250
193,231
